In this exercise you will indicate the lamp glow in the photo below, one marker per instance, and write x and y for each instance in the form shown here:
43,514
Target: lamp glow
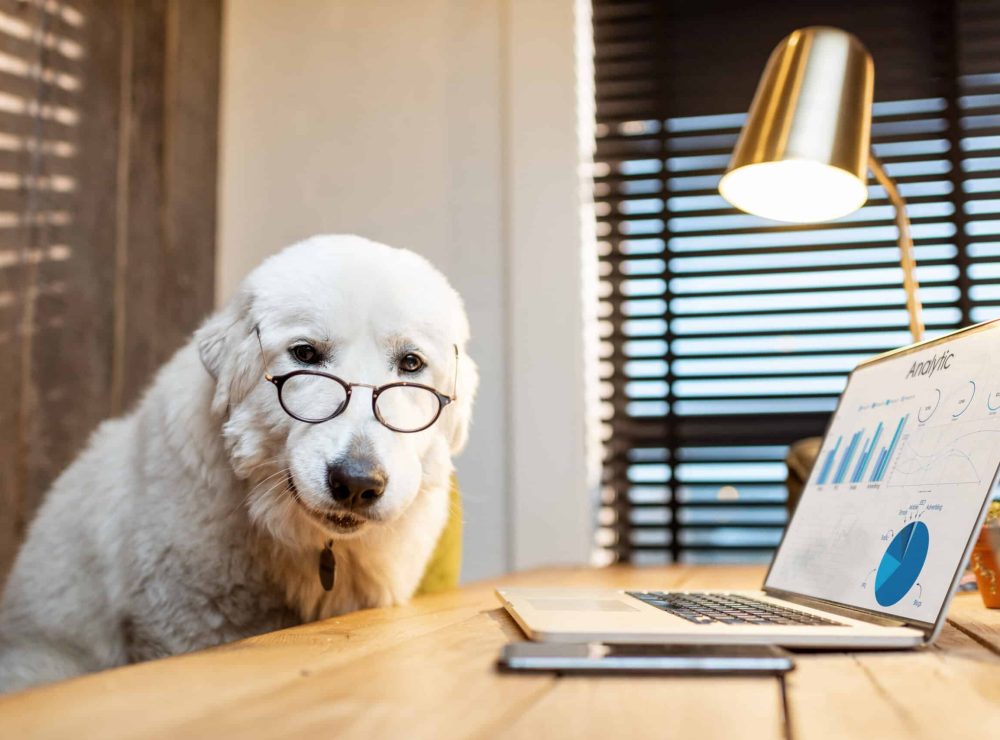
798,190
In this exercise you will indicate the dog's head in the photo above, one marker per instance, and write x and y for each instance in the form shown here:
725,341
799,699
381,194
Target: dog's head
369,316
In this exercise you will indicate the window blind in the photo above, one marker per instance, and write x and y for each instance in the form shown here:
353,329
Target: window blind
725,337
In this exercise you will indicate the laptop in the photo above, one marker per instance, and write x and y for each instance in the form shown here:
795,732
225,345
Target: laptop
880,537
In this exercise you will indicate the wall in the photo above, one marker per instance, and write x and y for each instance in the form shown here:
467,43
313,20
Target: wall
448,127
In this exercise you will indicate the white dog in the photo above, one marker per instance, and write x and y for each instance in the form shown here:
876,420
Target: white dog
209,513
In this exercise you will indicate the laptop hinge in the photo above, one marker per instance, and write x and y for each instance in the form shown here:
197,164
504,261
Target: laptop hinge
843,611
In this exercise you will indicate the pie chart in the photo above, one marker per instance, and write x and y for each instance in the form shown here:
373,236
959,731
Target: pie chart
901,564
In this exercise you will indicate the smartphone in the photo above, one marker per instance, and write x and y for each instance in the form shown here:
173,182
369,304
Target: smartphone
603,658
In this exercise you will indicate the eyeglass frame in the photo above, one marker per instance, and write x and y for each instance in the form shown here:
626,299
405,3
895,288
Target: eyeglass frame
279,381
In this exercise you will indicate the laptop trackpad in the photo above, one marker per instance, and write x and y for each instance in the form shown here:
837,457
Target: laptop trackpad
580,605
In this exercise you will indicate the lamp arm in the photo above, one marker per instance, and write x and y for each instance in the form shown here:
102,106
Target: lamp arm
906,258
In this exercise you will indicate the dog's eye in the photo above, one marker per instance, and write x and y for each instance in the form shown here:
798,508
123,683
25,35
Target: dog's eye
305,353
410,363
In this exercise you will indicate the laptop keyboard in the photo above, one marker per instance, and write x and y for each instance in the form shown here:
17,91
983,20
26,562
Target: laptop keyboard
722,608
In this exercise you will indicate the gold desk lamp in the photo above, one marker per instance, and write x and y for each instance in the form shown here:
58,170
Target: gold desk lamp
804,153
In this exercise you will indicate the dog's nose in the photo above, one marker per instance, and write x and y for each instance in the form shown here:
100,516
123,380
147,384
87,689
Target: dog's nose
355,484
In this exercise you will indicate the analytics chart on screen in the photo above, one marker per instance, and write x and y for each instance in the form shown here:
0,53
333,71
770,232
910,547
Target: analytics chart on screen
908,461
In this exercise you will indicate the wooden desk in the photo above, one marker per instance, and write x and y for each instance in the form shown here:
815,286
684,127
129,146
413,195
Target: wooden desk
426,670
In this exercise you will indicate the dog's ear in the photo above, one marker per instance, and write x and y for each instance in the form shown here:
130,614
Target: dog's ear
227,345
465,392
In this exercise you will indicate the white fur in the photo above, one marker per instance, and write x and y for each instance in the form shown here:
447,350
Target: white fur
176,528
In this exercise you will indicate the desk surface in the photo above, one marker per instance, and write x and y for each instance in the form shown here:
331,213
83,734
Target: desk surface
426,670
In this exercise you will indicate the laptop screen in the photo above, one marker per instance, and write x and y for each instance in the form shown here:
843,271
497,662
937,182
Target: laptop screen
908,460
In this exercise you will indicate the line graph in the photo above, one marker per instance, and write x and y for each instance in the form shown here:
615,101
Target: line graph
947,455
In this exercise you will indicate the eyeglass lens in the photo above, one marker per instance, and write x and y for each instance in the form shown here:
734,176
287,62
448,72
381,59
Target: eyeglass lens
312,397
407,407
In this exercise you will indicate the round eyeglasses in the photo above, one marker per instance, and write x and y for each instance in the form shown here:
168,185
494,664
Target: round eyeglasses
315,397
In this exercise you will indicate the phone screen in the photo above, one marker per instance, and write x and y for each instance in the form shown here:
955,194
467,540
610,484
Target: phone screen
596,657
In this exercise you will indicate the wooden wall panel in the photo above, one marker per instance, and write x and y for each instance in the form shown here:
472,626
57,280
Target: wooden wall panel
106,260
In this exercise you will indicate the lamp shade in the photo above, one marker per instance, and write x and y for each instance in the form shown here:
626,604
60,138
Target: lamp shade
803,153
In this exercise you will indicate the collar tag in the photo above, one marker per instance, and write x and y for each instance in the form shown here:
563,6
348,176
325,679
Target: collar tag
327,567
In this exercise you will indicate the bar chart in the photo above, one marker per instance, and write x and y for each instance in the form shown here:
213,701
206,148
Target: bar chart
837,466
866,455
878,474
824,474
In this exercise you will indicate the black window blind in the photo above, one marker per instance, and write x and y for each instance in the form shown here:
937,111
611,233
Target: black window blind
725,337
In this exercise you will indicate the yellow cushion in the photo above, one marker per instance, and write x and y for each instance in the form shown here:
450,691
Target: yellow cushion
446,562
